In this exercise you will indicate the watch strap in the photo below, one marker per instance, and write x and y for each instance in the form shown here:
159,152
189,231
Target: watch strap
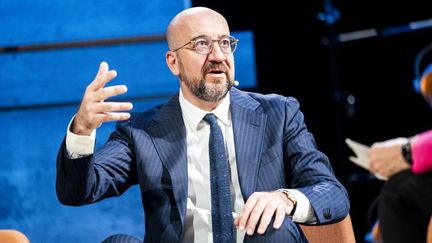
406,152
291,198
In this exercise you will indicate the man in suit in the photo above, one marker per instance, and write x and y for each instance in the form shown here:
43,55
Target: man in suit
277,177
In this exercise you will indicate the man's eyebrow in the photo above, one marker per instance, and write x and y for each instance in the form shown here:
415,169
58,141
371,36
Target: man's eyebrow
206,36
200,36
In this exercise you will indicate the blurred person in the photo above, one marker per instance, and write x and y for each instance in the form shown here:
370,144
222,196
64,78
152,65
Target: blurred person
274,175
405,201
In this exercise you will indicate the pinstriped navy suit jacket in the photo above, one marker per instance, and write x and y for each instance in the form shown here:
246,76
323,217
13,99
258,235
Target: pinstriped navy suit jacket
273,150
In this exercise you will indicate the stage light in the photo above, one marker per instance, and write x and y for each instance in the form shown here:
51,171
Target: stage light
423,79
426,84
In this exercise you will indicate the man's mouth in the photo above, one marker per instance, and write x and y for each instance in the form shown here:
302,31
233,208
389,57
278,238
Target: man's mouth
216,71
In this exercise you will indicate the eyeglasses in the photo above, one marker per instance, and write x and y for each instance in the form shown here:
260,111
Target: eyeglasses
204,44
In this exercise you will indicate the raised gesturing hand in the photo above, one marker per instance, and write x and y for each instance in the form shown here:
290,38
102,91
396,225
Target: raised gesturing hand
93,110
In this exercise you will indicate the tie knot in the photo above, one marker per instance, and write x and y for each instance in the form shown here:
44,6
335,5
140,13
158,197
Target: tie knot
210,118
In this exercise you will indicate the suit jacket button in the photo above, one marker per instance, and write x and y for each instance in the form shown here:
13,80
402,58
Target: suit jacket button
327,213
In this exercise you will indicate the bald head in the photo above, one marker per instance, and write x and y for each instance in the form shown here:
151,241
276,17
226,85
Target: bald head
194,21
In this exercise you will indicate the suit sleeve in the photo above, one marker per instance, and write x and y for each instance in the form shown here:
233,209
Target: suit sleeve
108,172
309,169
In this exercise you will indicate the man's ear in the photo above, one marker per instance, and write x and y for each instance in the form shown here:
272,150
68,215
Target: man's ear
172,62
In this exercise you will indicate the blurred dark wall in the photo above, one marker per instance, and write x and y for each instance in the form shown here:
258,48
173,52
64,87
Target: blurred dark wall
293,60
299,55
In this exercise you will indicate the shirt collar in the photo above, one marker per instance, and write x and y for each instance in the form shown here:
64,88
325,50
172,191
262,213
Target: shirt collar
193,115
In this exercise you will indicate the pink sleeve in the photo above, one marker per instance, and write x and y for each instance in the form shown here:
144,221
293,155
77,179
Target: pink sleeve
422,153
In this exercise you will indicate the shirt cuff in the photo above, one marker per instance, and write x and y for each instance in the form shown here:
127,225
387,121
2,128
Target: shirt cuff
78,146
304,212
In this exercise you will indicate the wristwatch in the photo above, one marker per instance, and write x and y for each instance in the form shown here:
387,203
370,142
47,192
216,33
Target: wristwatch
406,152
292,199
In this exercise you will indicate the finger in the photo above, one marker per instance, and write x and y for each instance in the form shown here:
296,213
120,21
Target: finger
103,68
247,209
266,217
115,116
255,216
101,80
237,221
105,93
375,165
381,177
112,106
279,217
382,169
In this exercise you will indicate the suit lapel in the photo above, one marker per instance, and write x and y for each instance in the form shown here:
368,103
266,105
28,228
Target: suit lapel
169,137
249,125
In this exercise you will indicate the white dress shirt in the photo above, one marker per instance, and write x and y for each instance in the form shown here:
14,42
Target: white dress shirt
198,215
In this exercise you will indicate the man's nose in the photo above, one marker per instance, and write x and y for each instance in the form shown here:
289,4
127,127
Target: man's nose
216,53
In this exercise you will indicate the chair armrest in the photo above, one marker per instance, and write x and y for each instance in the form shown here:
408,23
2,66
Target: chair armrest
12,236
341,232
429,234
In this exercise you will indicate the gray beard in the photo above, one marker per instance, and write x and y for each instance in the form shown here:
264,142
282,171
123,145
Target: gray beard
203,91
211,92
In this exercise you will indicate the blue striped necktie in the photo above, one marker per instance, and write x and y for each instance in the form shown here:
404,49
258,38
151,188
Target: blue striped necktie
221,209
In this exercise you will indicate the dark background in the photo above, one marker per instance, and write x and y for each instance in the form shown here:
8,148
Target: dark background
297,55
